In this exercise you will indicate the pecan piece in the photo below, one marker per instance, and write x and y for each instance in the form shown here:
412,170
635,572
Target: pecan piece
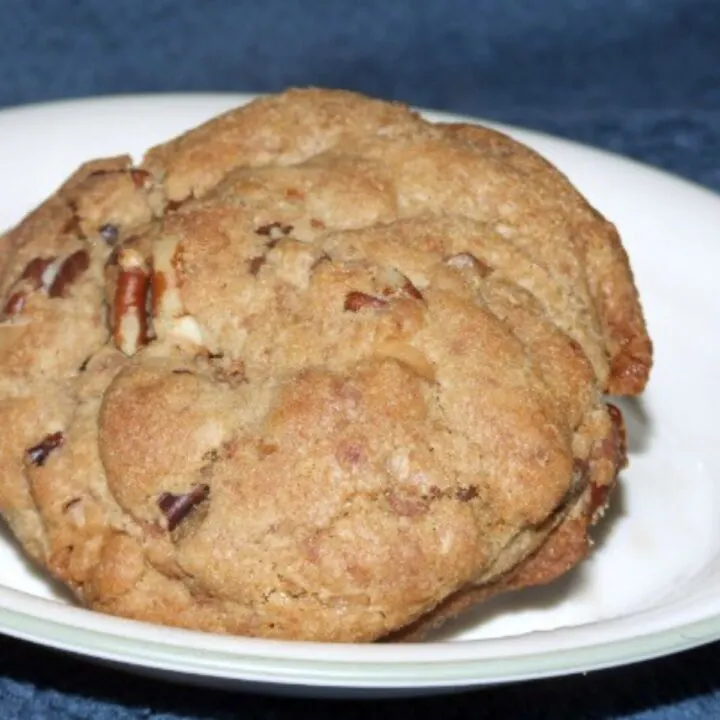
398,284
170,319
33,278
409,289
166,300
255,263
38,454
619,435
129,317
356,301
15,304
274,230
71,267
598,500
35,270
139,177
177,507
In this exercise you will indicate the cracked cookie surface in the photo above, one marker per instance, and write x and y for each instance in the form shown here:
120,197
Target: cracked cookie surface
317,369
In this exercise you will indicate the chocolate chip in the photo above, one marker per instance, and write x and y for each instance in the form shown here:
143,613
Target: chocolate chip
356,301
38,454
109,233
177,507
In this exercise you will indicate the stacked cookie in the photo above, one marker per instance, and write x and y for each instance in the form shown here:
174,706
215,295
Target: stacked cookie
317,369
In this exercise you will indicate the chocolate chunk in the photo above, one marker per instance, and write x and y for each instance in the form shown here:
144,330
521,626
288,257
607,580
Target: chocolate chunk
38,454
177,507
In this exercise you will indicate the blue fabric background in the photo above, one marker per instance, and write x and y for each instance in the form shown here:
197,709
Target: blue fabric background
640,77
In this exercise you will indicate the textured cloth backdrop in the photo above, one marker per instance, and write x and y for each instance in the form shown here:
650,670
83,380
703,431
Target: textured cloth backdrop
640,77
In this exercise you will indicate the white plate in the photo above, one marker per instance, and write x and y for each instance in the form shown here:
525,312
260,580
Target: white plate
653,589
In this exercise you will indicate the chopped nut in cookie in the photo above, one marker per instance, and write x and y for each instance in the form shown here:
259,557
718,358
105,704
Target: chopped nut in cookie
177,507
355,301
129,314
70,268
38,454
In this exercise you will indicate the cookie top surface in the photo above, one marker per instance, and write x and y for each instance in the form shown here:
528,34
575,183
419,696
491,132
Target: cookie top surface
309,369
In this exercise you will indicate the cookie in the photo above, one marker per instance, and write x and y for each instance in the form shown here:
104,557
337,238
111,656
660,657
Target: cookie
318,369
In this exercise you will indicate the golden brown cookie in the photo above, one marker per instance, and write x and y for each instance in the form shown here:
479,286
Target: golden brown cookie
317,369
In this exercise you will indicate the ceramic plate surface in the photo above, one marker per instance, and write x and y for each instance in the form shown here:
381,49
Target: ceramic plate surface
653,587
